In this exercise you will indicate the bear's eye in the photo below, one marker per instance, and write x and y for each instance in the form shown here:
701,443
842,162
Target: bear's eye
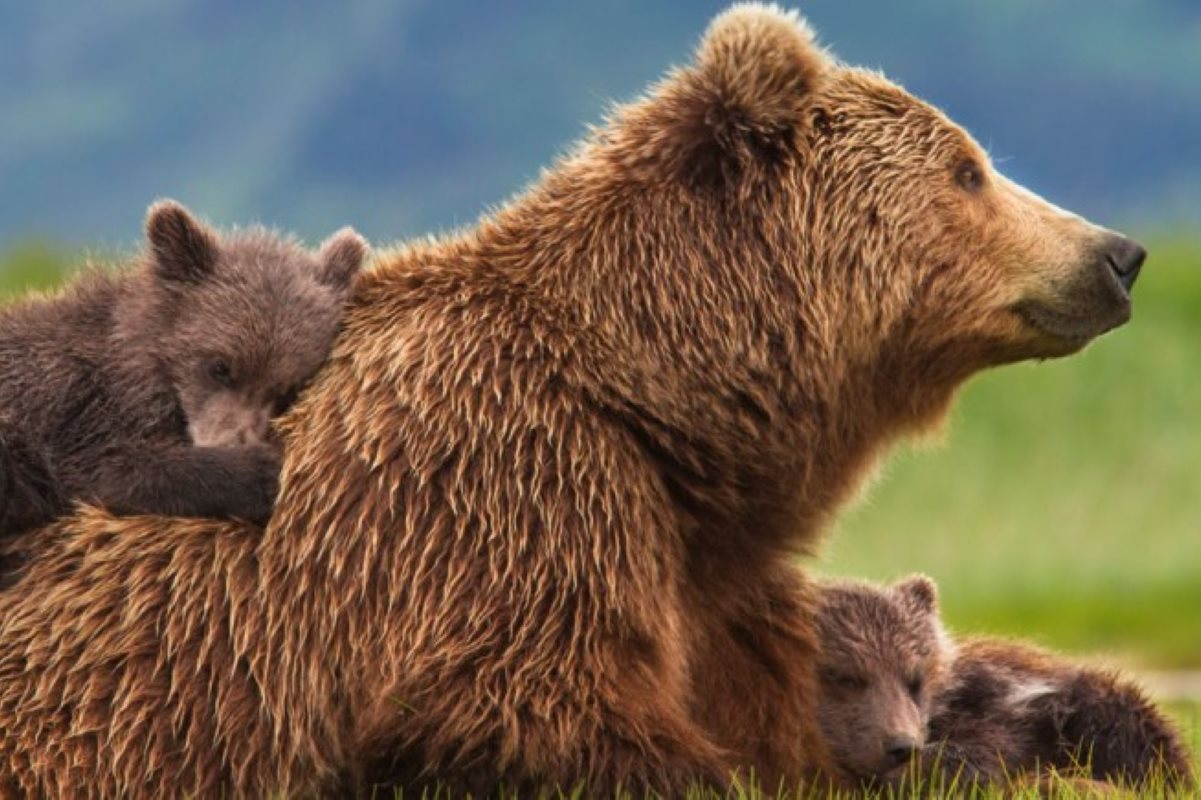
914,685
846,681
824,124
821,122
969,176
220,372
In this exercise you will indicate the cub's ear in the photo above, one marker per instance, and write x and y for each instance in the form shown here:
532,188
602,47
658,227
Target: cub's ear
184,249
748,90
918,592
342,256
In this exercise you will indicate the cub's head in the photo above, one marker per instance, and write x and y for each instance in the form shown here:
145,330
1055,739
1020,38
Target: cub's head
241,321
883,651
882,231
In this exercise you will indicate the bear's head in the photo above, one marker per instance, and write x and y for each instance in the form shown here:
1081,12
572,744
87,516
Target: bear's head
903,255
883,652
239,323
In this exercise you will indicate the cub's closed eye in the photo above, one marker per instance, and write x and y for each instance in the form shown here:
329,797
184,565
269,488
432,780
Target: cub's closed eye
220,372
846,681
914,685
969,176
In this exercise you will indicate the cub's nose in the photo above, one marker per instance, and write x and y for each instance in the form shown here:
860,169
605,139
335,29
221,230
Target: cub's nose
1125,257
899,749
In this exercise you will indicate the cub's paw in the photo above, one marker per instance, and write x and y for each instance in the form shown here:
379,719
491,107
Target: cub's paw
262,466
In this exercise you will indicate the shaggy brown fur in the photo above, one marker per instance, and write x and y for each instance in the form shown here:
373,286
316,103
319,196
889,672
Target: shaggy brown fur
1009,708
539,512
152,389
895,686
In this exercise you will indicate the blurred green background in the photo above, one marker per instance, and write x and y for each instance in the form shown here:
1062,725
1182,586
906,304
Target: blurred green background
1064,501
401,116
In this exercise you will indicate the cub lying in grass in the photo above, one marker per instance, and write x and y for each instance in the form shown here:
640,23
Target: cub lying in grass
901,700
152,389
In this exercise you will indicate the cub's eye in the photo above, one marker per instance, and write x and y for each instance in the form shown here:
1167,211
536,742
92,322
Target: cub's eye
969,176
914,685
220,372
846,681
286,400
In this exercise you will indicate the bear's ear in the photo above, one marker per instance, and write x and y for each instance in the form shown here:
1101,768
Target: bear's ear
918,593
750,85
761,63
342,256
184,249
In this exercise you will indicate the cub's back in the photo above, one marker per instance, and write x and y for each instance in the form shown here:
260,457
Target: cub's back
55,350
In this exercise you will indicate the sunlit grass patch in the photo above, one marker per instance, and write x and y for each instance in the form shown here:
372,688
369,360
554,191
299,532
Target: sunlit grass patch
31,266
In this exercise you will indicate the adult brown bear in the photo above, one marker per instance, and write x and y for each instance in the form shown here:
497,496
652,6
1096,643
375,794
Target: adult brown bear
539,513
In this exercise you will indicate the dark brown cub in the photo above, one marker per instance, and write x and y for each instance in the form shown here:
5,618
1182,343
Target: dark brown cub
979,710
152,389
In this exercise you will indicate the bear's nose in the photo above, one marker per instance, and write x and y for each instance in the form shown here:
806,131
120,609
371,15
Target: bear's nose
1125,257
900,749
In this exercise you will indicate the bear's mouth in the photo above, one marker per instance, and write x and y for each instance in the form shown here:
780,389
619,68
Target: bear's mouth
1069,313
1072,329
1050,322
877,775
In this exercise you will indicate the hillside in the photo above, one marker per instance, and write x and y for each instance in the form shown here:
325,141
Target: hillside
407,116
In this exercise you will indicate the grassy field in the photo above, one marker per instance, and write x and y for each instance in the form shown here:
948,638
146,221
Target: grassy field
32,265
1062,503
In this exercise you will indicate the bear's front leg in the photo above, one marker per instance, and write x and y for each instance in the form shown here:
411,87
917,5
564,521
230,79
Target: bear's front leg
603,729
755,682
538,639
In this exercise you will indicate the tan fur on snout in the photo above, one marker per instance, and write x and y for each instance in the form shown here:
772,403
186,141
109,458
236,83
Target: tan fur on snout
1045,244
229,420
1051,291
872,722
904,721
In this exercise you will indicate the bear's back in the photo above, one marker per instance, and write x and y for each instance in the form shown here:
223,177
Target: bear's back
70,381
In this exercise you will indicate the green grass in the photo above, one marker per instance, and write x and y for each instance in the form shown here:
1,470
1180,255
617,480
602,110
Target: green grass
30,266
1063,502
1189,716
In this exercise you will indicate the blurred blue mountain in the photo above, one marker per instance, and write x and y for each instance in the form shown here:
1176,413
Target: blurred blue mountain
403,117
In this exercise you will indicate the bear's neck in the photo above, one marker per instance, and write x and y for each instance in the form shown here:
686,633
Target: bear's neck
723,363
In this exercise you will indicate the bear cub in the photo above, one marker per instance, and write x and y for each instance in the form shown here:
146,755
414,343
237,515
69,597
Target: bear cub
899,699
152,389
